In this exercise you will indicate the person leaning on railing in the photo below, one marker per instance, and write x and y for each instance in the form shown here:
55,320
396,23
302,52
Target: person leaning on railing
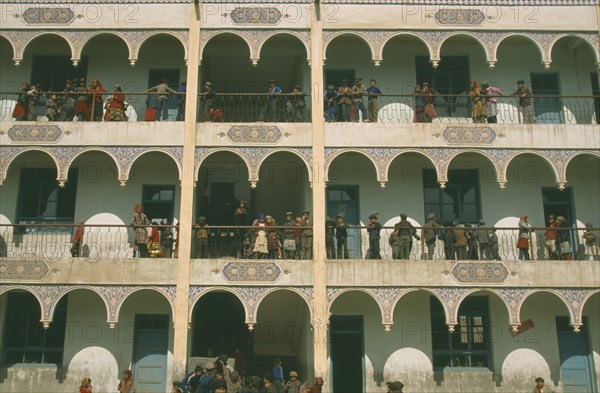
373,104
96,89
163,90
115,106
491,94
524,102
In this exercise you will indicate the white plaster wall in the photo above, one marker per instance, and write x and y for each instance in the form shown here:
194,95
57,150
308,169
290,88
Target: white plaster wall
91,348
107,62
404,354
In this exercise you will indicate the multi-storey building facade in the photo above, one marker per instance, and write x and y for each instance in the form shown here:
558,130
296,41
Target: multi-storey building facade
439,325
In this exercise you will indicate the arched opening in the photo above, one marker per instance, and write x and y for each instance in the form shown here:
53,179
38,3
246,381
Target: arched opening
348,57
226,65
356,342
283,57
462,57
222,186
160,57
218,327
24,339
352,193
97,170
408,171
409,356
575,59
147,316
401,56
48,60
283,186
547,314
9,80
32,195
282,331
154,183
583,172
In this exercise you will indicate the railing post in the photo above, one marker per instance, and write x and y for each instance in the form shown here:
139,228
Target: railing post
93,106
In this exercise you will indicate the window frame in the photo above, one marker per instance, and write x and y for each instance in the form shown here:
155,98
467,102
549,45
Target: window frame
472,307
47,177
32,312
452,185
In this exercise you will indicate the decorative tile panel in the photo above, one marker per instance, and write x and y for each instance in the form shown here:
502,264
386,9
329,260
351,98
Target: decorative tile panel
30,270
254,134
48,16
251,271
255,15
469,135
36,133
479,272
455,16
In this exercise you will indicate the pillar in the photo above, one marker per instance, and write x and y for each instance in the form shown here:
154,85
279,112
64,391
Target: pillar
321,314
180,337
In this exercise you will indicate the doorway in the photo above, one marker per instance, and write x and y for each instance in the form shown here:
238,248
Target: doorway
344,200
53,71
575,357
451,77
547,110
346,347
158,202
150,347
335,77
560,203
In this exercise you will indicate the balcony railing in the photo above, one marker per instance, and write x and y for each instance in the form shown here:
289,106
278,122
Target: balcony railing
287,107
115,242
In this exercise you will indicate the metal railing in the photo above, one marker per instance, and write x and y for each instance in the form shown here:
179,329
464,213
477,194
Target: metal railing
115,242
287,107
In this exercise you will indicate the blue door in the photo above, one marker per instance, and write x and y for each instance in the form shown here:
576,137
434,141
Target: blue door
575,360
344,200
150,346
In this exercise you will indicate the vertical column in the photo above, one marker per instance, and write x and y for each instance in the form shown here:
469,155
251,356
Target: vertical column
318,195
187,196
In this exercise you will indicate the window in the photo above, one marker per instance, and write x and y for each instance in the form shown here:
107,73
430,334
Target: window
451,77
25,339
459,201
41,200
469,345
158,202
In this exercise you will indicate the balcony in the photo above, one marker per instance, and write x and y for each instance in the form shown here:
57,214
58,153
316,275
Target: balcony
109,254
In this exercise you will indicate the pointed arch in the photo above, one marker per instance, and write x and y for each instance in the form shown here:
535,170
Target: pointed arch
213,34
593,46
347,33
455,34
305,42
49,33
494,54
408,34
338,153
